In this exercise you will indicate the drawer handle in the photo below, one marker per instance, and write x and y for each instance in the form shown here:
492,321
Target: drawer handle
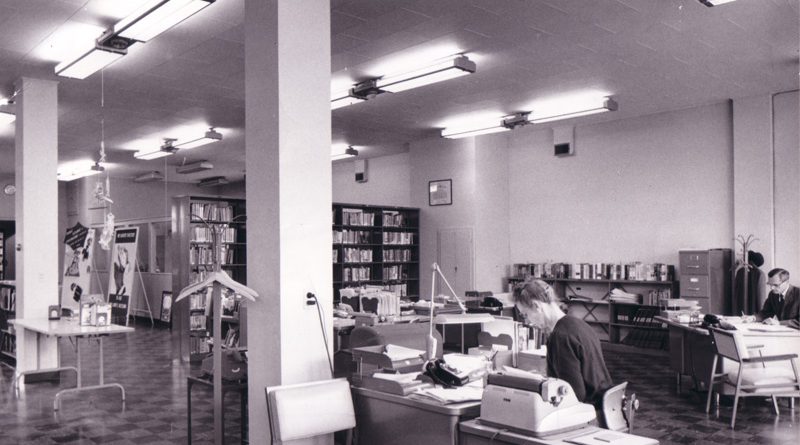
697,289
692,267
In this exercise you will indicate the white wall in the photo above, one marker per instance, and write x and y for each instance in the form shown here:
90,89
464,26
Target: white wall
388,182
636,189
787,183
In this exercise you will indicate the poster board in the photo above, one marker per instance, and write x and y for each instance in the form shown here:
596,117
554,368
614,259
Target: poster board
120,277
166,306
78,252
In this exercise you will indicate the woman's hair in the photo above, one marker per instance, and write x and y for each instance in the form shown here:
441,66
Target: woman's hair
531,290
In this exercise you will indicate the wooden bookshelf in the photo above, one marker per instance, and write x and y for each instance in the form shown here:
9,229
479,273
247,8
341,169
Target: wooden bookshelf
195,218
8,337
376,245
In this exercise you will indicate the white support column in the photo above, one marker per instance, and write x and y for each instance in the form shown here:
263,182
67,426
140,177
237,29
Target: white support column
36,159
288,134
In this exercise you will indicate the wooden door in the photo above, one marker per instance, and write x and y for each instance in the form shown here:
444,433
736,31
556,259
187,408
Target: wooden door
455,258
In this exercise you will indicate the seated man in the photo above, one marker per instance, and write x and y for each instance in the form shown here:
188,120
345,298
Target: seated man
783,302
573,349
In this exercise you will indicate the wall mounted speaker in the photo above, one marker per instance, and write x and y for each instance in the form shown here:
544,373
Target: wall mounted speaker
563,141
361,170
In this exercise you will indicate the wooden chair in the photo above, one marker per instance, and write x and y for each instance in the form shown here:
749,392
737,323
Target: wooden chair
618,409
751,380
309,410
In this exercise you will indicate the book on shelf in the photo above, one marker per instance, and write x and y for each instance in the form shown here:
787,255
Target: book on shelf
397,255
398,238
357,217
211,211
197,322
393,218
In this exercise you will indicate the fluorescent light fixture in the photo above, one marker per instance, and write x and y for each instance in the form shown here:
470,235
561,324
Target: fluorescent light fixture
210,136
80,172
348,153
89,62
194,167
444,70
345,100
165,149
157,16
600,106
149,177
711,3
487,127
212,181
7,118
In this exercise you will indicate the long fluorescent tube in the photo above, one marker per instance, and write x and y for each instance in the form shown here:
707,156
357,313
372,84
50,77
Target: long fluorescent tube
157,16
94,169
7,118
149,177
607,104
89,62
349,153
194,167
711,3
165,150
487,127
210,136
448,69
212,181
344,101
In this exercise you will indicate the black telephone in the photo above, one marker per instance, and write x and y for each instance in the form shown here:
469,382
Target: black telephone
444,374
491,302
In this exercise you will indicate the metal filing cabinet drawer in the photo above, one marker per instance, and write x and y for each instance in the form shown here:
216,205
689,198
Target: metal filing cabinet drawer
694,286
694,263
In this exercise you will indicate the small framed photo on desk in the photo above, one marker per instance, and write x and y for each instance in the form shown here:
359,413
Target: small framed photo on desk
440,192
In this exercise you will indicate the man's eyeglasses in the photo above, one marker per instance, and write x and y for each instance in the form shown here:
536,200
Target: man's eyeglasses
776,285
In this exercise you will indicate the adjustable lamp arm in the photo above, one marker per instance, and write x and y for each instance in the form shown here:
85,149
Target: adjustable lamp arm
437,270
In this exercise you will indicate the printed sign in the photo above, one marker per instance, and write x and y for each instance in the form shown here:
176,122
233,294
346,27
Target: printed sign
120,285
78,251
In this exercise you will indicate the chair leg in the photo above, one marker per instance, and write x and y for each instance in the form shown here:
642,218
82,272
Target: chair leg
775,404
711,383
736,396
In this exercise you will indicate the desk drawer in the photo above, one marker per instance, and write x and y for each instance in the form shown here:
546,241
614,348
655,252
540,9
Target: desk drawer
694,286
693,263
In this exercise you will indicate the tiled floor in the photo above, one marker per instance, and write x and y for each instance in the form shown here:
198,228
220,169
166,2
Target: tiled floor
155,410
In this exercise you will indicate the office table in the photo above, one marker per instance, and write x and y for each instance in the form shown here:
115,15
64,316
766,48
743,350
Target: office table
691,350
472,432
72,329
389,419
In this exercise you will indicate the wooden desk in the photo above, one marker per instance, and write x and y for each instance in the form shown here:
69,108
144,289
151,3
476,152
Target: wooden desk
691,350
472,432
389,419
69,328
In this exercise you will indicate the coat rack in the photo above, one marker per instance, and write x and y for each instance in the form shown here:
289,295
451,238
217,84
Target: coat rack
744,263
217,280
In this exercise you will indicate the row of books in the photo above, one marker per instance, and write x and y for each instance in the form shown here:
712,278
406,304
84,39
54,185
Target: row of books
356,274
395,272
8,298
357,217
393,218
199,345
353,255
197,322
198,301
8,344
211,211
205,255
204,235
397,255
351,237
398,238
634,271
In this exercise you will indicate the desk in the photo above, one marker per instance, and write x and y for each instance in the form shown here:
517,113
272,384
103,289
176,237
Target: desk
691,350
69,328
240,387
389,419
472,432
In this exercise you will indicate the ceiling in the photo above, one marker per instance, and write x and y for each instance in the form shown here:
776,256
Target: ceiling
650,55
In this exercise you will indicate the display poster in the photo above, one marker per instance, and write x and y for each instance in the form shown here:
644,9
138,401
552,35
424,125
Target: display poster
78,251
120,286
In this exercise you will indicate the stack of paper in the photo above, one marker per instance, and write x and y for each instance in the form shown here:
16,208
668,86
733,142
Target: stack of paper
451,395
396,352
620,296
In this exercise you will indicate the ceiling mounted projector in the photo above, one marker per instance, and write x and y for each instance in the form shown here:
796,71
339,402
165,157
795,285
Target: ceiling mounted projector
194,167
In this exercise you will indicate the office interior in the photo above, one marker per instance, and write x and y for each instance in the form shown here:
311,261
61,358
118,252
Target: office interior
703,147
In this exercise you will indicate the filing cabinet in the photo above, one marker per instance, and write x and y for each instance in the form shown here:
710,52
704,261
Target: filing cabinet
705,276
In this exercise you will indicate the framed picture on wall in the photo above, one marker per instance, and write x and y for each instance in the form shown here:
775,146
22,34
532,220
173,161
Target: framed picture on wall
440,192
166,306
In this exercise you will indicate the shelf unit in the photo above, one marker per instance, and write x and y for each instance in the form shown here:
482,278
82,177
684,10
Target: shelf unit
8,337
193,219
614,322
376,245
2,256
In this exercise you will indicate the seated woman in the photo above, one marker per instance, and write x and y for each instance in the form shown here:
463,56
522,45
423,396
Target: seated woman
573,349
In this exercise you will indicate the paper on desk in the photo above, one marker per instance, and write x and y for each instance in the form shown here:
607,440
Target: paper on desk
768,328
451,395
466,363
399,378
600,437
396,352
508,370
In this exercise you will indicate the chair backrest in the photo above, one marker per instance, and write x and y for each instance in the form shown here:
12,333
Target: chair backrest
309,409
728,345
613,409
